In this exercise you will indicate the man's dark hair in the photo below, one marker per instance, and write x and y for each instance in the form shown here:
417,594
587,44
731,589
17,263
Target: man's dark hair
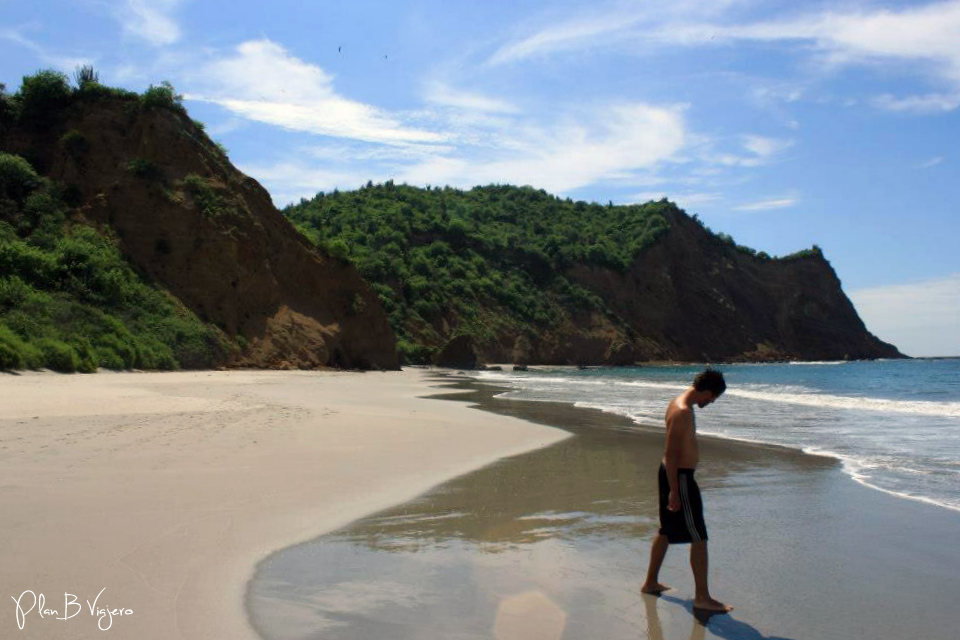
710,380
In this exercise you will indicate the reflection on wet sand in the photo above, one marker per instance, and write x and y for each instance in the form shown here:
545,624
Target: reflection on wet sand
601,484
548,544
529,616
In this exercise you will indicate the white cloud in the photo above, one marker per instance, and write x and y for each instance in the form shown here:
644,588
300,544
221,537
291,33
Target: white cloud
932,162
442,94
334,116
599,145
930,103
765,148
760,151
768,205
921,319
263,82
150,20
925,35
926,32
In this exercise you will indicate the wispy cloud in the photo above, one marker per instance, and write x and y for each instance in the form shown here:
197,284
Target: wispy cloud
64,63
572,153
769,94
754,151
921,318
573,34
442,94
608,25
769,204
932,162
150,20
925,104
925,35
290,93
763,147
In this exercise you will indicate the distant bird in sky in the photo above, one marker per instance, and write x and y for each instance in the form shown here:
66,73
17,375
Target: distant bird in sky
338,49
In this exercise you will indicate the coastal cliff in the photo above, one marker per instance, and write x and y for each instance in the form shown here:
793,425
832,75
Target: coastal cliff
535,279
694,297
187,219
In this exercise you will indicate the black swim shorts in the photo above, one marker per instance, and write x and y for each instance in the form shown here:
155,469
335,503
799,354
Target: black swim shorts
686,525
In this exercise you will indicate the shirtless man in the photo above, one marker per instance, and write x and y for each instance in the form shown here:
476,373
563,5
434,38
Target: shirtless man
681,509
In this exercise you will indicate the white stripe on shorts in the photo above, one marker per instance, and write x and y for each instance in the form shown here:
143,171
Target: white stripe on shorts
687,510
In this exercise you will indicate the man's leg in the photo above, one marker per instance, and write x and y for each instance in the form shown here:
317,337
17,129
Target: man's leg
657,553
699,564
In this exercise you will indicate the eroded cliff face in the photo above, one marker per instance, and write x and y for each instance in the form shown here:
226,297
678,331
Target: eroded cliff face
211,236
692,297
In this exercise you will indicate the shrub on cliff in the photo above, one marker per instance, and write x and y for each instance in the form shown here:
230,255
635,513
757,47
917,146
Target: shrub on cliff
42,96
74,143
85,75
143,168
812,252
17,177
163,96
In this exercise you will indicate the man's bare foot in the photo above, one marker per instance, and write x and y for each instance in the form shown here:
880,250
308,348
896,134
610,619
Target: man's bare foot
656,588
712,605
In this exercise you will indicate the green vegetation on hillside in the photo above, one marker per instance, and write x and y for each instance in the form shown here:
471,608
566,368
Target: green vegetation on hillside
478,262
68,299
70,302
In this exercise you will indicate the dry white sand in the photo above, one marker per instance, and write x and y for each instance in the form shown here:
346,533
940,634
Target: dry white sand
161,491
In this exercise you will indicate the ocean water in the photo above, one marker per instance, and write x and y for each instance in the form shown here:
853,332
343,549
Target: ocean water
894,424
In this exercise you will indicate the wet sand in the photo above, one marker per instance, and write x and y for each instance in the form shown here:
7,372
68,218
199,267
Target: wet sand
554,544
161,491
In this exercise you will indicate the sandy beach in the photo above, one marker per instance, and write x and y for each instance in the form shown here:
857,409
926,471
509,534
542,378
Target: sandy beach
151,497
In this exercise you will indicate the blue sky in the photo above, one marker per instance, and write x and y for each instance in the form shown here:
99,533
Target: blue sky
783,124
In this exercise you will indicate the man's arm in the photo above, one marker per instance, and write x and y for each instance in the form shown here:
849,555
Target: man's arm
679,426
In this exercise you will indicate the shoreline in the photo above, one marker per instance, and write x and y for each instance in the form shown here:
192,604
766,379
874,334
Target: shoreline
171,511
847,463
798,548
